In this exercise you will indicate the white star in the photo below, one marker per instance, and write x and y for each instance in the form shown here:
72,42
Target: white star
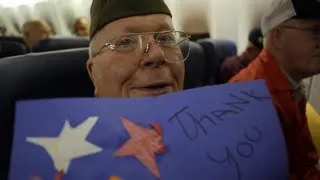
70,144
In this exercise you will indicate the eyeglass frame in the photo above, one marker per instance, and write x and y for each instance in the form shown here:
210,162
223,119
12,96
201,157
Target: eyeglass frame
314,31
111,46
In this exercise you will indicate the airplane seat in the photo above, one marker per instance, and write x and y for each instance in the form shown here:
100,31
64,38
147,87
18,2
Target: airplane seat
53,44
12,38
217,50
12,48
196,68
227,48
36,76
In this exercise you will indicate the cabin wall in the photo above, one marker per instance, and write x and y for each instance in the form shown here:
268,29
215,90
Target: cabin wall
232,19
313,91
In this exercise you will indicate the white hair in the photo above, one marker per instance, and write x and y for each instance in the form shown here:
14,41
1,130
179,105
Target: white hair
91,45
90,50
265,39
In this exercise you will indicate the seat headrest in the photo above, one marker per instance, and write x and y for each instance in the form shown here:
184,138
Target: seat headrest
35,76
53,44
226,48
11,48
217,50
12,38
44,75
196,68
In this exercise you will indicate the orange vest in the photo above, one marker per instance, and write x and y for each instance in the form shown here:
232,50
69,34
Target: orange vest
300,148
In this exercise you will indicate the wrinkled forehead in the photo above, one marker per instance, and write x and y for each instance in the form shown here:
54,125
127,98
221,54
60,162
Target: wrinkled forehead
134,24
303,22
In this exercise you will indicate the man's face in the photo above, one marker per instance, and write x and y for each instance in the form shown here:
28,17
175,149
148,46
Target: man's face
301,47
137,73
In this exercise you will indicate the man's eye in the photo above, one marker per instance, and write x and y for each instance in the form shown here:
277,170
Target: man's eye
125,42
166,38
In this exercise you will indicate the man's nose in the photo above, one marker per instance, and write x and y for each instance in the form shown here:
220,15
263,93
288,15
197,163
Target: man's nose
153,55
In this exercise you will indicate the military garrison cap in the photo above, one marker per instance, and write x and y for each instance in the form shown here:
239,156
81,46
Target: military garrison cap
103,12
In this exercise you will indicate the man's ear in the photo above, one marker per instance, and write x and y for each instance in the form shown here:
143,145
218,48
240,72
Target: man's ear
89,66
277,36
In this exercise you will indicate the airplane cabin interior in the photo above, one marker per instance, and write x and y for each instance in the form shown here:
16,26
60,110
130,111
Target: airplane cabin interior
56,66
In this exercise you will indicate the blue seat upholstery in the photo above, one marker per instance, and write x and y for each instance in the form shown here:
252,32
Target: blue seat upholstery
196,67
60,44
217,50
12,48
35,76
225,48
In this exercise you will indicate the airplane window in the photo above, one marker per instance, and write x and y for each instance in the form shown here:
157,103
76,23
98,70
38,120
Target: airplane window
16,26
16,3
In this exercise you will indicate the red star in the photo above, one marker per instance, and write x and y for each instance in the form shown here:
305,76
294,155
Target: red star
59,175
143,144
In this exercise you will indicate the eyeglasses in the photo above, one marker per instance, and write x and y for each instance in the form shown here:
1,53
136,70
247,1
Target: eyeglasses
169,41
314,31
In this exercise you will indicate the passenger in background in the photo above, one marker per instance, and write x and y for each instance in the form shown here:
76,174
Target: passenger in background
3,31
292,53
81,27
36,30
232,65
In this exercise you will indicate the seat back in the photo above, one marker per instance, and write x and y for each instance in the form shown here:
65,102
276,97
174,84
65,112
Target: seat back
60,44
37,76
216,51
225,48
196,68
11,48
12,38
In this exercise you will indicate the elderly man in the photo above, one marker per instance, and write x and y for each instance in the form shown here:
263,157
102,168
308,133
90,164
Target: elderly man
134,49
292,53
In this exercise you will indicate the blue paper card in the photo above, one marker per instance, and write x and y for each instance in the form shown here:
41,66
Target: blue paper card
228,132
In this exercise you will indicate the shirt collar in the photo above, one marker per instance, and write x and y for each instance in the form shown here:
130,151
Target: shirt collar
298,88
280,79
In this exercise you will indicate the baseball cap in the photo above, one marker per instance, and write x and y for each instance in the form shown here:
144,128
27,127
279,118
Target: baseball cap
282,10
